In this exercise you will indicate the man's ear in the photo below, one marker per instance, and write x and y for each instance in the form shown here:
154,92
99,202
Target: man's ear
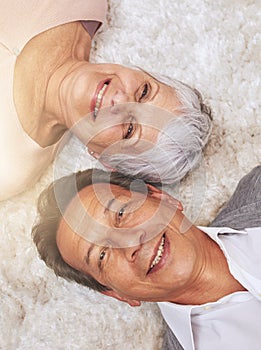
113,294
162,195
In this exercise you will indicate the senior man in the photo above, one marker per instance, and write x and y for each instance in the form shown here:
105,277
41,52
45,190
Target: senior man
132,242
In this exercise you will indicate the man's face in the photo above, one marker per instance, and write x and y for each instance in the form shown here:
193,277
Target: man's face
138,250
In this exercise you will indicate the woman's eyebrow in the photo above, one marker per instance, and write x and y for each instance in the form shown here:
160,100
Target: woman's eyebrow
155,92
108,206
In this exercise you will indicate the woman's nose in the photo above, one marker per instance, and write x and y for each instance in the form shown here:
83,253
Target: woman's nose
121,97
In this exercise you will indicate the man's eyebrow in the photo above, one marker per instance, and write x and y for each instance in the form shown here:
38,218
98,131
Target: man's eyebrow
87,257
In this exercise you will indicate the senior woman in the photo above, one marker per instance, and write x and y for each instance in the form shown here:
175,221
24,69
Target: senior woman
48,86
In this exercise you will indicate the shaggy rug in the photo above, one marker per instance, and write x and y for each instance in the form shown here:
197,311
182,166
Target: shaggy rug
212,45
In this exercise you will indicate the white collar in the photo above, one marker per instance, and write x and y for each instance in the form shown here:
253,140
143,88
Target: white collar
181,323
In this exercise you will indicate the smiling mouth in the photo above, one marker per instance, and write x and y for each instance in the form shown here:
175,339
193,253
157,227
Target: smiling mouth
99,99
159,254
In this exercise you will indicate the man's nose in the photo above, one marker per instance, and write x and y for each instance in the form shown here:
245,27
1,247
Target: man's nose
132,244
130,253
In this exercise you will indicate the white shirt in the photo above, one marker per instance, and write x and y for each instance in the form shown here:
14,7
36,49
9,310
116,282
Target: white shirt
234,321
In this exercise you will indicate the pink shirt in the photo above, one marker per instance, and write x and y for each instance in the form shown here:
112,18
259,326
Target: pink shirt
22,160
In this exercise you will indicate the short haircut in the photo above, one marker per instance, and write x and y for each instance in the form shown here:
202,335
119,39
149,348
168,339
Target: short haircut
179,145
53,202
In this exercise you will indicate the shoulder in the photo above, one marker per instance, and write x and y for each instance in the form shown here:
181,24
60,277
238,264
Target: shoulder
26,19
244,207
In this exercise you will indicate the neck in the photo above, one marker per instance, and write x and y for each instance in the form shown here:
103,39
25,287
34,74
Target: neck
212,280
34,68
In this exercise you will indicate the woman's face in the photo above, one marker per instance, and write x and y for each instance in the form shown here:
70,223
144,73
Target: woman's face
108,105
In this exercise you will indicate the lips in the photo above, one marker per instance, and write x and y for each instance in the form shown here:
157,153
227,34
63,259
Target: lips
157,258
96,101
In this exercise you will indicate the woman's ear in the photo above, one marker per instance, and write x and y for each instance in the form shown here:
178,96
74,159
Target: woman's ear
93,154
162,195
97,156
113,294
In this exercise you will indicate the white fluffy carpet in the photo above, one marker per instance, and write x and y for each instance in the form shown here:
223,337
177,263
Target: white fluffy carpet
213,45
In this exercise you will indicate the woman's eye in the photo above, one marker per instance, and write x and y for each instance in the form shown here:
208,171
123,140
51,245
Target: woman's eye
129,131
144,92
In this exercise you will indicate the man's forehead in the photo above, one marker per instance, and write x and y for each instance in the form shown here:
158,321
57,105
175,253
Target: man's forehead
96,192
94,212
101,193
90,204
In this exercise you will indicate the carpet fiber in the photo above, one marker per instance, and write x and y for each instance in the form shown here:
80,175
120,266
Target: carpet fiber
212,45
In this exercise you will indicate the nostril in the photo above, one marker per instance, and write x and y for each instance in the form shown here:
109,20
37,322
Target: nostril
115,108
119,97
142,237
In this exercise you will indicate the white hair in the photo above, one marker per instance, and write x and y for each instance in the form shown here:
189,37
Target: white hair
179,145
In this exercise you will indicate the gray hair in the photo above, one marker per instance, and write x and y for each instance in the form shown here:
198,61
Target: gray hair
179,145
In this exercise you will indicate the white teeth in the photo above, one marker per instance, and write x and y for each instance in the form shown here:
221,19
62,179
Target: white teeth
99,98
159,253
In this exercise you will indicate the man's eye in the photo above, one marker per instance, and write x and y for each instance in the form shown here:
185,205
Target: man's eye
101,261
119,215
144,92
102,255
121,212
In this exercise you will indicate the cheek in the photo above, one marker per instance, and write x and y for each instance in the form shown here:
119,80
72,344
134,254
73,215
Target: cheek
111,135
117,277
183,263
146,139
151,135
169,102
104,139
172,104
119,272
